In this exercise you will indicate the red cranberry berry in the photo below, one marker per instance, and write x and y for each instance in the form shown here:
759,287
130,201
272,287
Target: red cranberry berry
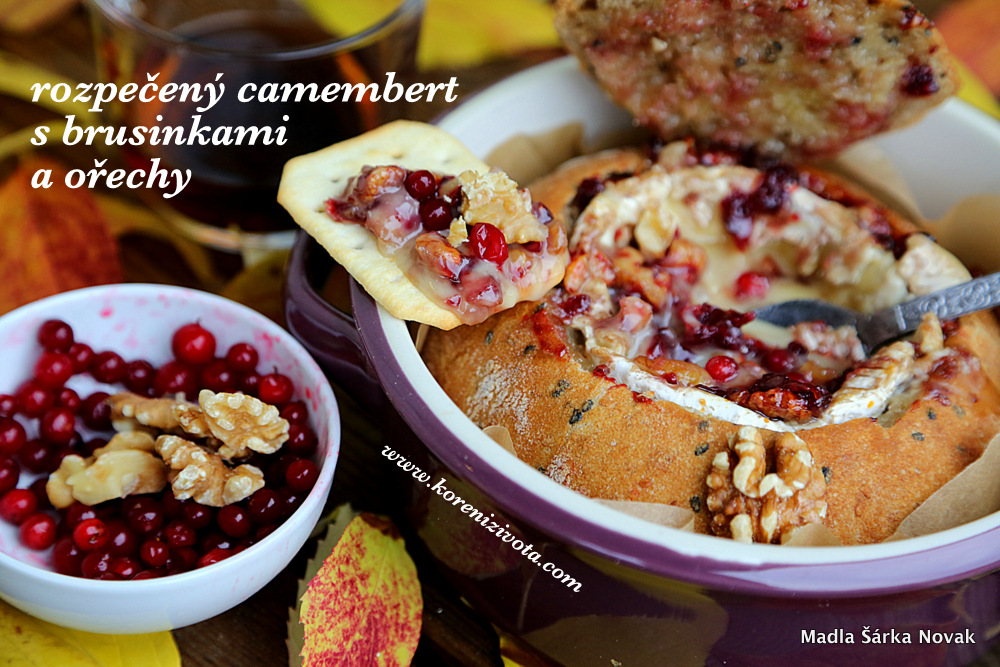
154,553
295,413
144,516
90,534
175,377
153,573
53,369
265,506
35,399
275,389
41,496
435,214
17,505
125,567
919,80
421,184
722,368
488,243
12,436
95,412
139,376
193,344
198,516
81,355
76,513
752,285
108,367
67,557
182,559
216,540
214,556
780,361
55,335
67,398
95,564
38,531
301,440
218,377
9,405
38,457
58,426
179,534
242,358
301,475
172,507
234,521
250,383
10,471
121,540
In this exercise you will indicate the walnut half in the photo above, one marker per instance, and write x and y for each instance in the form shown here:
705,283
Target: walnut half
203,476
750,504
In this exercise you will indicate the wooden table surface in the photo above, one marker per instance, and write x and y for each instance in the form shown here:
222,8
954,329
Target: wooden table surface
254,632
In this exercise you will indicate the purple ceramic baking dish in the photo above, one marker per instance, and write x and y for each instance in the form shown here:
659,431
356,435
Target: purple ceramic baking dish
627,591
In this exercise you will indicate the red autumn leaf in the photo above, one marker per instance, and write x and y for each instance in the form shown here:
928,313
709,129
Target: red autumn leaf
51,239
364,606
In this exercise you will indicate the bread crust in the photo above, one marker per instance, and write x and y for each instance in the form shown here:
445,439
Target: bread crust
520,371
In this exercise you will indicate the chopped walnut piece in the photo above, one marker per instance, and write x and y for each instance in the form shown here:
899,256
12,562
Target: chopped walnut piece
494,198
114,472
929,337
243,424
203,476
138,440
130,412
750,504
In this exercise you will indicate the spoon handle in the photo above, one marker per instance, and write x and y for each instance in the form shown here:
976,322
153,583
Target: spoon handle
978,294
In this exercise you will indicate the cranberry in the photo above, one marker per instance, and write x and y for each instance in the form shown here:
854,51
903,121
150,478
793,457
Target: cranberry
9,405
95,412
12,436
541,213
234,521
108,575
218,377
10,471
198,516
736,218
121,540
919,81
53,369
139,376
154,553
586,191
90,534
533,246
752,285
41,496
55,335
780,361
38,457
483,291
435,214
108,367
295,413
488,243
301,475
301,440
175,377
81,355
95,564
421,184
38,531
264,531
275,389
125,567
144,515
182,559
193,344
153,573
292,499
179,534
17,505
78,512
242,358
67,398
172,507
722,368
216,540
67,557
265,506
214,556
250,383
58,426
35,399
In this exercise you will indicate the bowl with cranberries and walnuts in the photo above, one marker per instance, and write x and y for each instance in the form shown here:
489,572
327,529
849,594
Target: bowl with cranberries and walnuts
163,454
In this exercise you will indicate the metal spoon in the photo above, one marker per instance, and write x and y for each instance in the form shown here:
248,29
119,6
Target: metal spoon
888,323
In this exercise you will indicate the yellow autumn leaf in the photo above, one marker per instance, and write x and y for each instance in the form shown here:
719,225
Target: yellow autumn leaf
455,33
975,92
364,606
26,641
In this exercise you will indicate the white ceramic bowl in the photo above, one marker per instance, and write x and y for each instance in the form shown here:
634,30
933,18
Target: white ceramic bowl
137,322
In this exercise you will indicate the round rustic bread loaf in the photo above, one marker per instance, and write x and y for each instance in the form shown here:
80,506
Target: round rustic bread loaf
573,414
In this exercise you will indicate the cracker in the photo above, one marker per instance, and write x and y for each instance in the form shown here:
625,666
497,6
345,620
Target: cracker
308,181
789,77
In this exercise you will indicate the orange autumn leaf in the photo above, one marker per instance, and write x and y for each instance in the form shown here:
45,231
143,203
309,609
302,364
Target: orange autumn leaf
364,606
51,239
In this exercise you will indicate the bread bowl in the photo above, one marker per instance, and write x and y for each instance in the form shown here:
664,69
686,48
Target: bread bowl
612,390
